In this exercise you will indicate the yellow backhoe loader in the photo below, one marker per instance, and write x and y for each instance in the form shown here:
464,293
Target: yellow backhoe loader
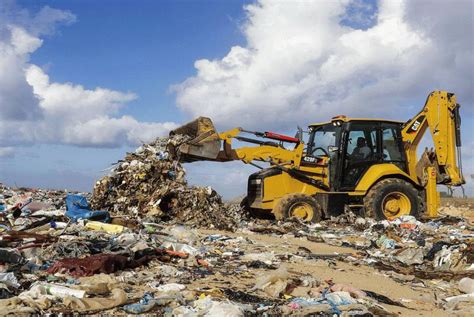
367,165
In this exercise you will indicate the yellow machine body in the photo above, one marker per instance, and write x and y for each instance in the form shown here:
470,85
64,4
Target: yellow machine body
386,181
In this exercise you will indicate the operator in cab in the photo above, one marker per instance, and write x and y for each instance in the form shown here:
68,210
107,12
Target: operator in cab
361,151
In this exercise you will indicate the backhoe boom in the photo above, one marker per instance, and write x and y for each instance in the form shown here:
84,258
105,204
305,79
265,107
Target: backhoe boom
441,115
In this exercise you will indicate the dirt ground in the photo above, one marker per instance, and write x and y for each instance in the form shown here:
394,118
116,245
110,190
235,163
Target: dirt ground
459,207
419,301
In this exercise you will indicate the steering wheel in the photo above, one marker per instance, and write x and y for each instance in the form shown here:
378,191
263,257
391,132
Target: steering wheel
322,149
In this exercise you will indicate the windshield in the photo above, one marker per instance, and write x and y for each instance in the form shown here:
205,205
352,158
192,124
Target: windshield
321,138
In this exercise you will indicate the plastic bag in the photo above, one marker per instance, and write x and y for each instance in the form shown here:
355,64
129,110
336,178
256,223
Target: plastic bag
466,285
273,283
77,208
219,309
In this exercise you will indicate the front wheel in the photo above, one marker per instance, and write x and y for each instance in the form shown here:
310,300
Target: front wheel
300,206
391,198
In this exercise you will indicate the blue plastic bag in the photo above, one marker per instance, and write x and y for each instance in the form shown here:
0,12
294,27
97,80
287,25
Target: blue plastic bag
77,207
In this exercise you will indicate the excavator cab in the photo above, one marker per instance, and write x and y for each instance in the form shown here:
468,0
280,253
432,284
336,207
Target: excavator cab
367,143
350,148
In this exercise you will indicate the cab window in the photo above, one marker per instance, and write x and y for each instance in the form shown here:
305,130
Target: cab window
362,151
362,144
392,151
321,139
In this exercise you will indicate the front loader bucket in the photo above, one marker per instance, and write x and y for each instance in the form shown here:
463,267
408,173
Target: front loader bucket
204,143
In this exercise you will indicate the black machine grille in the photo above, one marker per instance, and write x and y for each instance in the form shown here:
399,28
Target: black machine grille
254,189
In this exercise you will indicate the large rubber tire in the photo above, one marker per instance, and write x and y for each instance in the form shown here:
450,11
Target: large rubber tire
374,200
285,207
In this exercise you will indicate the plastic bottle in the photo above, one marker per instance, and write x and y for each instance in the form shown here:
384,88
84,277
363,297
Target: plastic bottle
61,291
58,225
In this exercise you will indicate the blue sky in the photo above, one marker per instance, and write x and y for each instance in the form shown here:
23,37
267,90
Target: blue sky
262,65
142,46
124,46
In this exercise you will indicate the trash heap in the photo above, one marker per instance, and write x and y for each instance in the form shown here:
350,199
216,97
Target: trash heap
345,266
440,248
150,184
437,253
25,208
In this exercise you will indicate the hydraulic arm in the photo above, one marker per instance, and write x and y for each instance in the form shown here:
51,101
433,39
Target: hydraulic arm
441,115
207,144
268,151
443,165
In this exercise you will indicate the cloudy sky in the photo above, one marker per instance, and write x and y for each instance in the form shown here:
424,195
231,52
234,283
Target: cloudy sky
82,82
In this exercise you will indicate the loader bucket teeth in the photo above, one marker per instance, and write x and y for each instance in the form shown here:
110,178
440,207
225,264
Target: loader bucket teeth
204,143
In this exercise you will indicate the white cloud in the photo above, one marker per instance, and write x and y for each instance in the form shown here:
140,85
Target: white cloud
17,101
106,131
301,64
22,42
7,152
34,109
62,100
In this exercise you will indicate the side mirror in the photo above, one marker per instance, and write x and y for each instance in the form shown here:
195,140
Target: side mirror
333,149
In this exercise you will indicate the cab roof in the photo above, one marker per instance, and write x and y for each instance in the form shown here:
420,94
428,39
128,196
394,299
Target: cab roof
346,119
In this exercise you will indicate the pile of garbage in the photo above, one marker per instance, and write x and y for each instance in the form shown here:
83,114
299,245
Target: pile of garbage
150,184
26,208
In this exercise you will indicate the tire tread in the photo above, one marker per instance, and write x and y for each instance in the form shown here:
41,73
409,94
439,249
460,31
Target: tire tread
369,199
280,210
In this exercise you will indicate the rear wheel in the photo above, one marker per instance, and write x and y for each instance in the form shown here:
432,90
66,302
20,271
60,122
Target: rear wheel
300,206
391,198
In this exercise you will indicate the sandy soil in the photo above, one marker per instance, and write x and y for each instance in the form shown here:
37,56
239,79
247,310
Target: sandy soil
419,301
459,207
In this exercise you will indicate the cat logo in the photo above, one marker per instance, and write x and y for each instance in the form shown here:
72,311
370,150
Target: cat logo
416,125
